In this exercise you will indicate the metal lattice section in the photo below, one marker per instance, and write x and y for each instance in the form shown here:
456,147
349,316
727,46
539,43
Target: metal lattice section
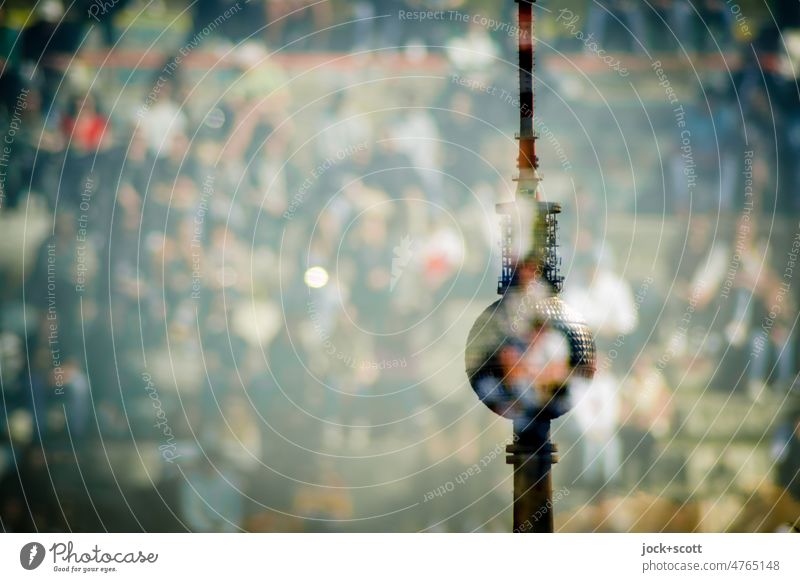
551,262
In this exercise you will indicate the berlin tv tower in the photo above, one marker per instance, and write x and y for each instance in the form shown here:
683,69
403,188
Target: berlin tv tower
525,349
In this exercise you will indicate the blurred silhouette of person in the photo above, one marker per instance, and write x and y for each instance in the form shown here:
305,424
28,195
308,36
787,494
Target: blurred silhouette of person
211,498
597,412
53,36
527,375
83,126
776,506
78,404
605,300
646,417
603,20
787,473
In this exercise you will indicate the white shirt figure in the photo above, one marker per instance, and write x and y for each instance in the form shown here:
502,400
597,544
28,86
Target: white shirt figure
160,124
596,410
606,303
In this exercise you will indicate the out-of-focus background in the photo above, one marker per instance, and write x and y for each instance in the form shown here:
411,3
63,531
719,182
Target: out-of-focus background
243,244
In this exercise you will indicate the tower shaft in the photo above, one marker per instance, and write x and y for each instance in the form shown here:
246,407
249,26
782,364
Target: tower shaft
533,454
527,162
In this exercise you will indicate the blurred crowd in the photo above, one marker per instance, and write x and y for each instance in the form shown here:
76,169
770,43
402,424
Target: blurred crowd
255,282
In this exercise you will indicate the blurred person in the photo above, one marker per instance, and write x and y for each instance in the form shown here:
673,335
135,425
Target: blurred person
697,191
52,38
16,488
773,343
702,270
377,25
12,82
56,269
161,120
126,282
176,163
614,15
372,256
789,202
38,153
326,502
73,383
787,456
718,21
728,145
210,496
138,162
475,51
683,24
288,20
240,437
344,123
441,257
604,299
241,20
701,263
270,180
646,417
746,295
111,421
277,12
106,15
12,509
417,136
672,26
597,412
762,118
787,14
227,260
258,76
82,125
460,127
38,382
776,506
12,361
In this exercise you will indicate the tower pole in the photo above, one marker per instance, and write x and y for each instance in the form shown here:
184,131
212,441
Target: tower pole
527,162
532,454
533,486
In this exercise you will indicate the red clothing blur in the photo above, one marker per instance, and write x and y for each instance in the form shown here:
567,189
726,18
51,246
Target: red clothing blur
86,131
